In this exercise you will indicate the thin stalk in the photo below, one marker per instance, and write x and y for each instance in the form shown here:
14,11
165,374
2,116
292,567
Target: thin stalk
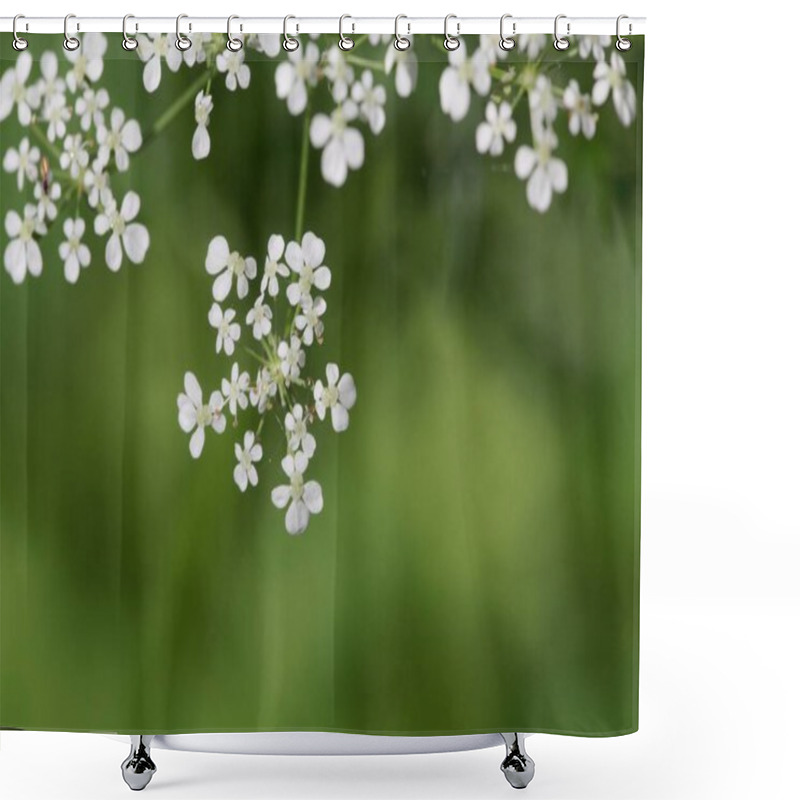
303,179
169,115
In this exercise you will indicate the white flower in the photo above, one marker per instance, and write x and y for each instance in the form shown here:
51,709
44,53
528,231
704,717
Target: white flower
339,73
120,139
56,113
223,263
247,454
75,156
309,323
454,85
499,126
303,498
24,162
46,201
228,331
95,182
22,254
260,317
544,173
594,46
267,43
531,44
50,84
14,90
293,359
87,60
235,390
152,48
490,44
339,396
305,261
196,54
343,147
237,72
292,75
72,251
133,238
404,63
194,415
611,77
543,103
273,267
201,141
579,109
265,388
371,100
297,435
90,107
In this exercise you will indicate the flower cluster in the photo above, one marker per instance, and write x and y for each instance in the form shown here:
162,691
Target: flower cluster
284,320
77,139
537,165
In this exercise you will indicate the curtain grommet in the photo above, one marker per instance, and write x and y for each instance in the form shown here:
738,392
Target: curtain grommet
19,43
290,44
71,43
451,43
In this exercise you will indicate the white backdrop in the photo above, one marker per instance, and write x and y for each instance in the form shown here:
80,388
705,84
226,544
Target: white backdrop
720,432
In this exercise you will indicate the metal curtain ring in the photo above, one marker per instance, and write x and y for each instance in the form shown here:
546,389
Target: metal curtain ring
507,42
290,44
71,43
345,42
18,43
401,42
234,44
451,42
183,43
129,43
623,44
559,42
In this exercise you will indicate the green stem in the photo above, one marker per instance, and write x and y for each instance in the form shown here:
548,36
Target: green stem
184,100
368,63
39,135
303,180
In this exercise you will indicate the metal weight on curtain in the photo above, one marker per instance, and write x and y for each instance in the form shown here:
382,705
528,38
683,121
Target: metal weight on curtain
451,42
507,42
71,43
559,42
18,43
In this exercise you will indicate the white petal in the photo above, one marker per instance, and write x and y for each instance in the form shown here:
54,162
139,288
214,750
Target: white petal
130,206
187,417
152,74
539,190
296,518
320,130
558,174
332,374
222,285
353,147
33,257
217,255
196,442
524,161
275,247
131,136
322,278
281,495
114,253
240,476
340,418
312,496
334,163
136,240
347,390
294,256
201,142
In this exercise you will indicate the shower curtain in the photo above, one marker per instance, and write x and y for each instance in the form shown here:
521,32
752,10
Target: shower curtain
319,385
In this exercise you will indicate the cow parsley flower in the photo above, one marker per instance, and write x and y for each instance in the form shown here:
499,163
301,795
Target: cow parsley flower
74,157
260,317
90,107
87,61
339,73
265,388
579,110
46,201
273,266
201,141
543,172
96,185
593,46
305,260
152,48
14,90
405,66
228,331
309,321
237,73
235,390
295,74
531,44
132,237
56,113
543,102
196,54
226,265
50,84
611,78
24,162
72,251
122,138
303,498
247,454
293,359
22,254
463,71
499,126
194,415
297,435
371,99
267,43
342,146
339,396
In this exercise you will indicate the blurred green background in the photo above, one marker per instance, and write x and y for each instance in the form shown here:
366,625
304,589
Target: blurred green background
475,567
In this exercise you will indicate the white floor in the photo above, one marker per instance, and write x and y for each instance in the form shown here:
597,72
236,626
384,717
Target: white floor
719,703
